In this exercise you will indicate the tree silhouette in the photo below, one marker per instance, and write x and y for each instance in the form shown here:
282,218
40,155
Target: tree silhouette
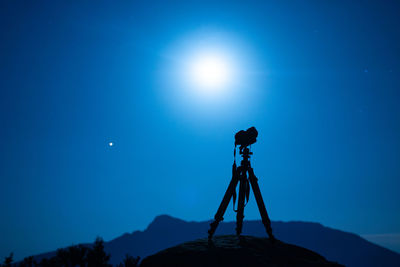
129,261
28,262
96,256
75,256
71,257
8,260
63,258
52,262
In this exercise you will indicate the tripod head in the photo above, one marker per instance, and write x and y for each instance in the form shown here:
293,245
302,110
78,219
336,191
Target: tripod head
245,139
245,152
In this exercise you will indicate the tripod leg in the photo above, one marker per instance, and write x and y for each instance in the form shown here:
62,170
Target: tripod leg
224,203
260,203
242,194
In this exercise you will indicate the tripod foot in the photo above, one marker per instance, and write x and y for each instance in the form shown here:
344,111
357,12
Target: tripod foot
213,227
210,242
242,239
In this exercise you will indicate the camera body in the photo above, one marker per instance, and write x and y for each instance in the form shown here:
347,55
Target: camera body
246,138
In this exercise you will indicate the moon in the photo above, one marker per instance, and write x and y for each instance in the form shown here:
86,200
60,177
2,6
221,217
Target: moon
206,74
210,71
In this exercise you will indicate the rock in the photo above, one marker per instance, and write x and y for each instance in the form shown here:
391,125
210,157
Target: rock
233,251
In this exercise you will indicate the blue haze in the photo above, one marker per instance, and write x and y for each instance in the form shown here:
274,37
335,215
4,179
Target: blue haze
75,77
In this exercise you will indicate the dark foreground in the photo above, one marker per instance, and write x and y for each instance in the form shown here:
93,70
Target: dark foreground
231,251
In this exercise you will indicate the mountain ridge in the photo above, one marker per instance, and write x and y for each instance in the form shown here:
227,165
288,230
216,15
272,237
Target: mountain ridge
335,245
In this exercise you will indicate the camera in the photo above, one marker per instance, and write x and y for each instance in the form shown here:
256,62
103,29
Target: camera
246,138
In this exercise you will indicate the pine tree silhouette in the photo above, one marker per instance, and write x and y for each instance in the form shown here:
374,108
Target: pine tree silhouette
28,262
75,256
96,256
129,261
62,258
78,255
71,256
8,260
52,262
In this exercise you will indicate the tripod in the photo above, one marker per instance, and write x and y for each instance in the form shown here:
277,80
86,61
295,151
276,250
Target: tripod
239,174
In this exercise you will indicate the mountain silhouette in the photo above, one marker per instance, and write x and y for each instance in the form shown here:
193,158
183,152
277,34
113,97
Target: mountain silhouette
336,246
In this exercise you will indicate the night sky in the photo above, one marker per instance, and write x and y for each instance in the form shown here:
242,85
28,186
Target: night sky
320,81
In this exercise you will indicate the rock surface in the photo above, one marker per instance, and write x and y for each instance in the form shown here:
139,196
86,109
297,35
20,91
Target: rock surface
232,251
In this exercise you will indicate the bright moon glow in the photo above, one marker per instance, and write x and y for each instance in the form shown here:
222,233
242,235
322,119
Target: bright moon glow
210,71
206,73
110,144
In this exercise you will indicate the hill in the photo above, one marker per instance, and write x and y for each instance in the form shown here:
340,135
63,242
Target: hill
337,246
231,251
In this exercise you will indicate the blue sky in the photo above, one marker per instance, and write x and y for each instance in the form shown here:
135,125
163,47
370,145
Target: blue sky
320,81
